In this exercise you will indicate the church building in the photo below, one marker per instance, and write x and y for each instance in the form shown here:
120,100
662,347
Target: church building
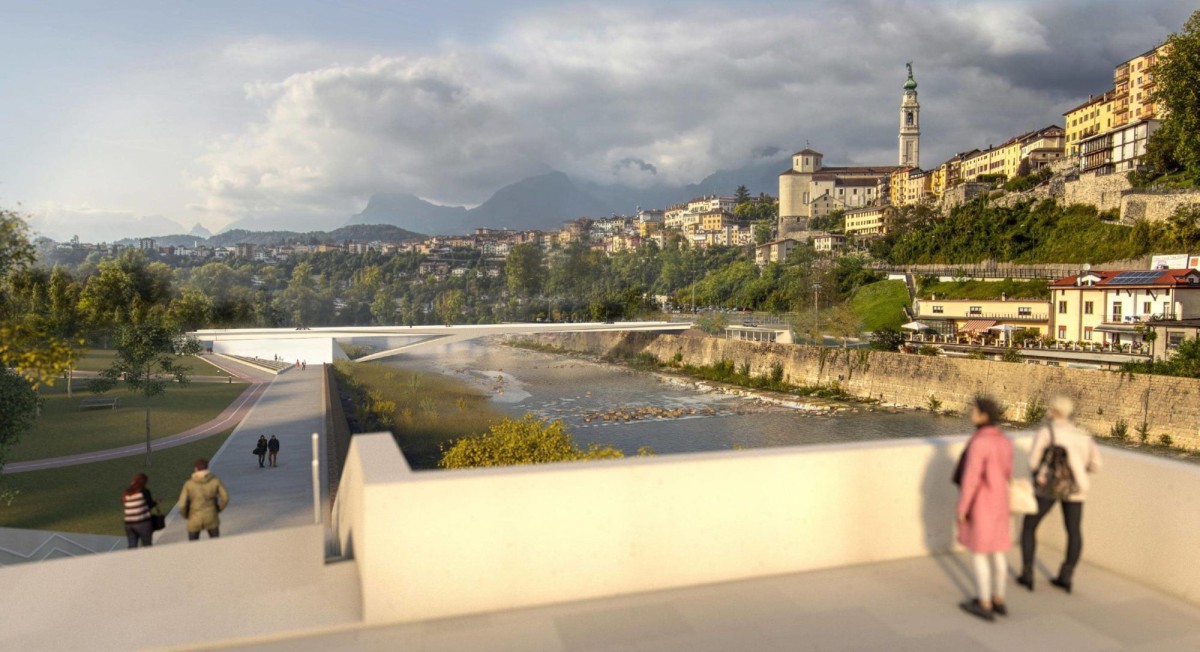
810,189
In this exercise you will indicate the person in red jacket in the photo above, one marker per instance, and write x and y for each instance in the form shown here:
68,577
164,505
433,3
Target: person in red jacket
983,510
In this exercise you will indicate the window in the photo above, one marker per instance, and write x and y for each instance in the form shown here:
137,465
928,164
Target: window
1062,332
1087,333
1166,309
1089,307
1024,311
937,310
975,310
1062,307
1117,309
908,118
1146,308
1174,340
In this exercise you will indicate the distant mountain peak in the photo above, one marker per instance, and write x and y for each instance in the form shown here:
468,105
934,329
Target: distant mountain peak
199,231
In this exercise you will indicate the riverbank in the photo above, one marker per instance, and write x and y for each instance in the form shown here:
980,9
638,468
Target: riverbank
724,378
1166,410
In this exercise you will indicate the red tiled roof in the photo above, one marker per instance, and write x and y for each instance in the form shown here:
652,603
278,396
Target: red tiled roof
1166,278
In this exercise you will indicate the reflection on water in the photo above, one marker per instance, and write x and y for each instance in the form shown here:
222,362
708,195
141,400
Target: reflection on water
643,411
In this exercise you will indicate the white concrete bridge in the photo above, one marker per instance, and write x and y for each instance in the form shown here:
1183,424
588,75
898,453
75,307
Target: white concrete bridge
316,345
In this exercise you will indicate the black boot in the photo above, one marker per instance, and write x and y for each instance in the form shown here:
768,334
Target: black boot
1025,579
975,609
1062,584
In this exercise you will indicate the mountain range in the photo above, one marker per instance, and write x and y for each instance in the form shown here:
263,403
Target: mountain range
232,237
547,200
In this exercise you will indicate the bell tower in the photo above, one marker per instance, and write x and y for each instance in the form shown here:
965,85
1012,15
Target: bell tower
910,124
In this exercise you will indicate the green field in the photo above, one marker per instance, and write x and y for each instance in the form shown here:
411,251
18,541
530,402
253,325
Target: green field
880,305
86,497
65,430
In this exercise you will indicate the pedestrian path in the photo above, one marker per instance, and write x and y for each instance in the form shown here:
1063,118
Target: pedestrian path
292,407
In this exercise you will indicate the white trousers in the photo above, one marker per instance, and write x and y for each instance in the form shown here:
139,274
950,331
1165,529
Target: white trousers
991,574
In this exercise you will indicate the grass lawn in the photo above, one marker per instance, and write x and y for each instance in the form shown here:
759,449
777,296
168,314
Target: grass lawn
86,498
880,305
65,430
101,359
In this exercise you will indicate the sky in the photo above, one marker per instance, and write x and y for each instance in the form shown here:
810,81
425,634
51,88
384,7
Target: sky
146,118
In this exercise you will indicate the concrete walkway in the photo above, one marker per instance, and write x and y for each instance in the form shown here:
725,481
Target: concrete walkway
900,605
292,408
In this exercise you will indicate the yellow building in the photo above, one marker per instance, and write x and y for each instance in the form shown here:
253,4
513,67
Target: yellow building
869,221
947,175
909,187
1039,147
716,220
1093,117
1132,86
983,316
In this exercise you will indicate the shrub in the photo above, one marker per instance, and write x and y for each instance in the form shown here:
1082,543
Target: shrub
930,350
528,440
1166,440
977,355
777,372
934,404
1119,430
1035,411
1011,355
1143,432
886,339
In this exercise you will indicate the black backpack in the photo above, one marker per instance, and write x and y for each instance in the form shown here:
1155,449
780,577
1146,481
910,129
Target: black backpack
1053,478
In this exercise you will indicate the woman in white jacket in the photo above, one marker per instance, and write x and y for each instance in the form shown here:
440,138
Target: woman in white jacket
1082,458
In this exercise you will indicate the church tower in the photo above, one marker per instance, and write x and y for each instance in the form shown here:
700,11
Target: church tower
910,124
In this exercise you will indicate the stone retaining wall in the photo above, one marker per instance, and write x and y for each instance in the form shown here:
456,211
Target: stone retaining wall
1169,406
1155,207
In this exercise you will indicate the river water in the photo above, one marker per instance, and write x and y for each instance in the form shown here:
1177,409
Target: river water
581,393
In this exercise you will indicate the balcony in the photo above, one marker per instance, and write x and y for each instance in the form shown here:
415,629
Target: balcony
1121,74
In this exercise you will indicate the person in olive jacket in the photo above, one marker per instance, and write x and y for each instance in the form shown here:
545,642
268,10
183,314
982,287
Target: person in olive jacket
203,499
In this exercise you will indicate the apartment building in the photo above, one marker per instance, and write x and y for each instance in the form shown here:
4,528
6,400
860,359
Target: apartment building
869,221
1113,306
775,251
1039,147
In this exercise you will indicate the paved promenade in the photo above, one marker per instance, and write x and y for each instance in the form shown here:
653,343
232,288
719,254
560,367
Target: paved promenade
894,606
292,407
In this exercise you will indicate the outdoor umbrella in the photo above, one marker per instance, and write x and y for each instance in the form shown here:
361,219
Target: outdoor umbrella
915,326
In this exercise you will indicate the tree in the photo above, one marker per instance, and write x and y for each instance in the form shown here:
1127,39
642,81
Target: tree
18,410
886,339
148,358
450,306
30,341
524,270
528,440
763,232
741,196
1176,144
383,308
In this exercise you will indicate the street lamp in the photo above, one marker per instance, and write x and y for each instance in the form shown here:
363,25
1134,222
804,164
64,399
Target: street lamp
816,313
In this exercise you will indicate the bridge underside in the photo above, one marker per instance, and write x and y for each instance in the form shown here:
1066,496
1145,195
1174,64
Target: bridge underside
319,345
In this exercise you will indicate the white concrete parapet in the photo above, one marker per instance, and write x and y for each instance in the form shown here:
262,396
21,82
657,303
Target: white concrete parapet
447,543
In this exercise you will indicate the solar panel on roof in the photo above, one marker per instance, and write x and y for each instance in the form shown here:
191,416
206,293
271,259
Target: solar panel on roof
1135,278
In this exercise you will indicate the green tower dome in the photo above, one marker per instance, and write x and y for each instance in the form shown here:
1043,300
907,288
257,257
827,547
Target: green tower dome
911,84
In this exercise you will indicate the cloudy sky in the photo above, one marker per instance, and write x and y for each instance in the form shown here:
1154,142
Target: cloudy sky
142,117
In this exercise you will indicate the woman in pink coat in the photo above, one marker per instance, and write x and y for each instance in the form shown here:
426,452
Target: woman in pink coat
983,512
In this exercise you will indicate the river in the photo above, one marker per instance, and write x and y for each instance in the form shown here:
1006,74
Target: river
581,392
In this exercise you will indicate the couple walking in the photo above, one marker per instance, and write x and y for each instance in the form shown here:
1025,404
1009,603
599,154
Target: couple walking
1061,457
265,448
202,500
